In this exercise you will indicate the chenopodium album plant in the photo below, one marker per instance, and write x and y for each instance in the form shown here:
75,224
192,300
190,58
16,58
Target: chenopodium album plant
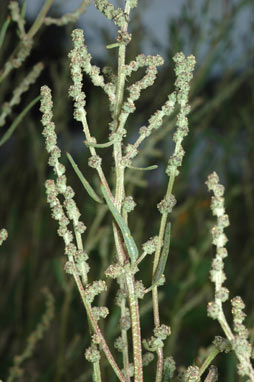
129,256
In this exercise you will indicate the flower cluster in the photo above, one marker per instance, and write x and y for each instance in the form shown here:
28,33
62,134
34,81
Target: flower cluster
169,368
53,189
219,239
167,204
108,9
80,60
184,69
151,63
147,358
238,342
94,289
156,342
128,204
150,245
68,17
100,312
92,354
192,374
19,90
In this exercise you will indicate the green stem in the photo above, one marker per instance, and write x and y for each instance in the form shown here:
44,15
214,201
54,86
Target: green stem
156,313
208,361
119,195
93,152
96,329
96,372
39,19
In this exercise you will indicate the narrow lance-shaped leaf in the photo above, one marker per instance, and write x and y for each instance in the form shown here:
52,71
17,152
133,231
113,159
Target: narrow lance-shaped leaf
128,239
164,255
83,180
99,145
153,167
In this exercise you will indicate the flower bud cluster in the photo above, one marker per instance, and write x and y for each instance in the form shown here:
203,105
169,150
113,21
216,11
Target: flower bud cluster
169,368
117,15
119,344
192,374
69,267
121,294
147,359
128,204
156,119
17,17
24,50
81,61
222,344
125,320
156,342
94,289
114,271
240,344
94,161
3,235
150,245
139,289
219,239
92,354
151,63
100,312
153,344
162,331
167,204
123,37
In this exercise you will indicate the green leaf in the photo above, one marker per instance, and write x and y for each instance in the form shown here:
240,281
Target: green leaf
164,255
128,239
83,180
143,168
99,145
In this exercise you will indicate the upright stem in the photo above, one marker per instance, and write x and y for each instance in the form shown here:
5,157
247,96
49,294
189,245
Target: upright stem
40,18
119,195
156,313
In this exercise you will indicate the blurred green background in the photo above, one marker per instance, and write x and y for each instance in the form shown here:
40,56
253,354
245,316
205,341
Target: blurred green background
221,139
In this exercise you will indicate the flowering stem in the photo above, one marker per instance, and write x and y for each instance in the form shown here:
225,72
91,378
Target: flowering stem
96,329
119,194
